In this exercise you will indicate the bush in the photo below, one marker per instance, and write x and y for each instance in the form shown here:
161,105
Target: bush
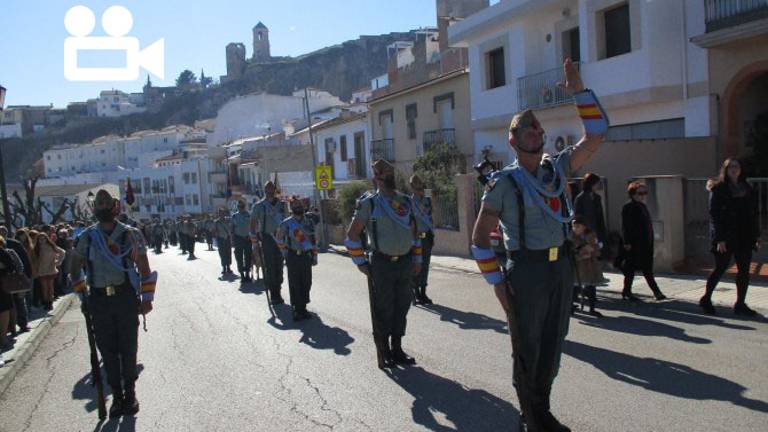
348,195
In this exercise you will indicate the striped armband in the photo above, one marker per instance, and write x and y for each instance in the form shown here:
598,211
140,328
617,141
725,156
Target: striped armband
591,112
78,282
355,249
488,265
148,287
416,252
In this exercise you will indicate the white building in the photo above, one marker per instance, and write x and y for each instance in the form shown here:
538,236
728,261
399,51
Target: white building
10,131
343,144
115,103
635,54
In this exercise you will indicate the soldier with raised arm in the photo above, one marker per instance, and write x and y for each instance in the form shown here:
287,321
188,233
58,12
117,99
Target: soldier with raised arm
530,199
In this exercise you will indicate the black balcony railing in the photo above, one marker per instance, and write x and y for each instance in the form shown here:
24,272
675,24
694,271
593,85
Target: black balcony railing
383,149
721,14
439,136
540,90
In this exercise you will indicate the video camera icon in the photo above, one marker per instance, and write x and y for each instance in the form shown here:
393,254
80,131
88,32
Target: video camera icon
117,21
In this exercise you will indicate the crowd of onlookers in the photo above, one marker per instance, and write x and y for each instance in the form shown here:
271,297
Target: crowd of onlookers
42,254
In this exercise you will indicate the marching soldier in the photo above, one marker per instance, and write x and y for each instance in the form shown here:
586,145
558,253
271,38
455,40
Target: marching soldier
388,219
189,234
208,228
422,210
223,234
158,236
529,198
266,216
180,234
120,287
294,237
241,229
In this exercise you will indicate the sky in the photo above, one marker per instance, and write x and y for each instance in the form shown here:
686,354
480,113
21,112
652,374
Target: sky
196,33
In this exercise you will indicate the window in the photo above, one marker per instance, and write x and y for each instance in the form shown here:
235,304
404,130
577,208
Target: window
662,129
165,140
48,157
343,147
101,151
195,200
58,156
496,69
411,112
186,178
618,39
146,184
187,201
194,178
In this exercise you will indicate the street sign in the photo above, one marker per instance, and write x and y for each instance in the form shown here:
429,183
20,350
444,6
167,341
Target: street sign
323,178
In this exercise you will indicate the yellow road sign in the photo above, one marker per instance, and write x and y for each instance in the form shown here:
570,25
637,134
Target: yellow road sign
323,178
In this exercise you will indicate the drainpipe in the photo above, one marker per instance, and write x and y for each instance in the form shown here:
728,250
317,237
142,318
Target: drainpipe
684,31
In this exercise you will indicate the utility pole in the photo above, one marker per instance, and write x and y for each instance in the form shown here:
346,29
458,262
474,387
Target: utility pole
324,238
3,191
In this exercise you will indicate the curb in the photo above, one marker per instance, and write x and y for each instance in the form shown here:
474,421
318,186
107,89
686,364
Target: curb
27,349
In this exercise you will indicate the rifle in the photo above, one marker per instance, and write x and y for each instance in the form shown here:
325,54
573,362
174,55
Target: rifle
374,323
260,247
95,367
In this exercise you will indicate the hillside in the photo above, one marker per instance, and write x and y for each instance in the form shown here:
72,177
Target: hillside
340,69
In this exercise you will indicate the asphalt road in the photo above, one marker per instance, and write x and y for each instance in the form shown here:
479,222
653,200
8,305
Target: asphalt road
214,360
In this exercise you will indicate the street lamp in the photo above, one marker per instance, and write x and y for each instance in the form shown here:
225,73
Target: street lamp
3,191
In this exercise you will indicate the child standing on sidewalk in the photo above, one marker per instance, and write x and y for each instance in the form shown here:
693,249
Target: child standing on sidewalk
586,251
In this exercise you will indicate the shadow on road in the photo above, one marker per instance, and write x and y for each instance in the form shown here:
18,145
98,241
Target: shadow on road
674,310
84,389
466,408
663,377
122,424
642,327
256,287
466,320
314,332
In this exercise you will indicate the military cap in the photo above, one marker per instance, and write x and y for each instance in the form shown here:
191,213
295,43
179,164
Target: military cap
381,166
103,200
522,120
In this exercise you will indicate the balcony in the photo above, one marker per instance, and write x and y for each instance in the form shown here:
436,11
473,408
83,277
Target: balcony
722,14
439,136
540,90
383,149
217,177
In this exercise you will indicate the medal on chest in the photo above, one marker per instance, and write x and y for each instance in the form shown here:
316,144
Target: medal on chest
298,234
398,207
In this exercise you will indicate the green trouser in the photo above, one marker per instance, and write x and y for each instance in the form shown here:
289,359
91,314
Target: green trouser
420,280
393,295
116,327
299,278
542,304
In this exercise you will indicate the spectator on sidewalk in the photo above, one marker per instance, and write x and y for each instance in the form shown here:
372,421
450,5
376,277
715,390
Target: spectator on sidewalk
637,229
589,205
9,263
20,313
49,258
586,251
735,232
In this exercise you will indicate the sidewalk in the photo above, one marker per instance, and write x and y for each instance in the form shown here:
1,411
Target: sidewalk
25,344
684,287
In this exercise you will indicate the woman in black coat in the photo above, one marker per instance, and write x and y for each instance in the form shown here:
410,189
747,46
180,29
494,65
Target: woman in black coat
735,232
589,206
638,241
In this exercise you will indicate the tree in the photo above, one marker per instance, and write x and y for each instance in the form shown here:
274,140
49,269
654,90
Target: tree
348,195
437,168
186,78
204,80
29,210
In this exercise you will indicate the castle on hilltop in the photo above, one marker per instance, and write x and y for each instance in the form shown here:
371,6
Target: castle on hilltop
235,53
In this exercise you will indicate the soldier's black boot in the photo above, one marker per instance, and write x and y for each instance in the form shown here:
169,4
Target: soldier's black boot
398,355
424,298
545,420
130,404
383,353
116,409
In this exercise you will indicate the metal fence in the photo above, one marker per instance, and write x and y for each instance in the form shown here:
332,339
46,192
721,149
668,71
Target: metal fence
383,149
726,13
541,90
445,210
439,136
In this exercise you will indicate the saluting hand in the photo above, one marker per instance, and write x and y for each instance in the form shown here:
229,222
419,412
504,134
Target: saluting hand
573,83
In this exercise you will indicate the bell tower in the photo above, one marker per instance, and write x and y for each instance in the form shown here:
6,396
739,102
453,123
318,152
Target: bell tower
261,51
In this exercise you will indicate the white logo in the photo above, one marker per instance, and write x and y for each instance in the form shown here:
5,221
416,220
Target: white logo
117,21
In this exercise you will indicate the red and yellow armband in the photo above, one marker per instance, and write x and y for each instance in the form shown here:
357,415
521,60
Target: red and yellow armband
488,265
591,112
78,282
148,287
355,249
416,252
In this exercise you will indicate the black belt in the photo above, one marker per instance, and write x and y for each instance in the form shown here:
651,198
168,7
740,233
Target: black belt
390,258
111,290
544,255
